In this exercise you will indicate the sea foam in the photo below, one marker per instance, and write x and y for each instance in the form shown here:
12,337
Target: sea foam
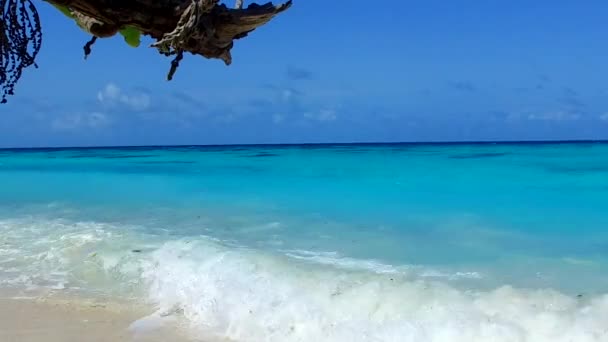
245,295
242,294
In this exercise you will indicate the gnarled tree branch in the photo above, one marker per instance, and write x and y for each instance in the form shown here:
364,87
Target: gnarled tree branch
211,27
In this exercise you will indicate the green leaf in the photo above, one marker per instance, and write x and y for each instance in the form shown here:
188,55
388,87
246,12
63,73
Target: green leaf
131,35
63,9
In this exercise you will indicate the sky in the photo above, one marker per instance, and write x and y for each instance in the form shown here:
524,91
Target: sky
331,71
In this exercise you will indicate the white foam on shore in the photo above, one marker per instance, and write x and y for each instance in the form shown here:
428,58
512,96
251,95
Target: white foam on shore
247,296
241,294
336,260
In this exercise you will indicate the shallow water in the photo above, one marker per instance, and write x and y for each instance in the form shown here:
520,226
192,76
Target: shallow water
465,242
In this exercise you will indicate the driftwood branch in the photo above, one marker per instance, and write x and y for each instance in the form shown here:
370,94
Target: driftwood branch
201,27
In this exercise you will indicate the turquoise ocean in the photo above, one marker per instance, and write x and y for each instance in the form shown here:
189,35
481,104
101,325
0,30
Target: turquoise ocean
364,242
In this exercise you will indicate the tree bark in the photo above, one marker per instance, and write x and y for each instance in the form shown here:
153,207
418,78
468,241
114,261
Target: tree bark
201,27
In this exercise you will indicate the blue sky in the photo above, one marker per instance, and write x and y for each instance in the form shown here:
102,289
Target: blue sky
332,71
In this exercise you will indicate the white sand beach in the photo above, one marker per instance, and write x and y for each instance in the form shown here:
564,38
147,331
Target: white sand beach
73,320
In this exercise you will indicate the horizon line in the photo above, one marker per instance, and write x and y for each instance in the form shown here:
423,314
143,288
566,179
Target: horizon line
461,142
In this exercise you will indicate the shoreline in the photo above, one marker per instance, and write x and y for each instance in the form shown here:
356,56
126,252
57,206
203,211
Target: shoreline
66,319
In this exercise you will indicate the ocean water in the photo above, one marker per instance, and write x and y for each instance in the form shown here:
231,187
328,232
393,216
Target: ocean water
394,242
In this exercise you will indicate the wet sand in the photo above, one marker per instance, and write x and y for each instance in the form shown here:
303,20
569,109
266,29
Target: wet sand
62,320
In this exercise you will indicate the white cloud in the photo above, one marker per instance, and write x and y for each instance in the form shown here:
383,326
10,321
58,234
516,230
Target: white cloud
555,116
604,117
112,95
323,115
77,121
